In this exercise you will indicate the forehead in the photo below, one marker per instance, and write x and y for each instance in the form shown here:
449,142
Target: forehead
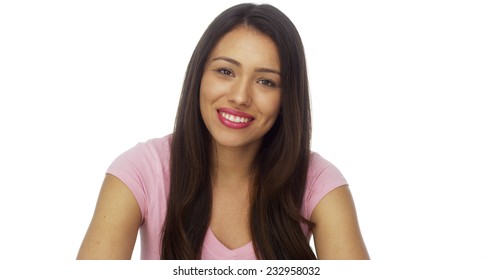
246,43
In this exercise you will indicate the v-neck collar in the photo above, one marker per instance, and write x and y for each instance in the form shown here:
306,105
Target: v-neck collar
213,248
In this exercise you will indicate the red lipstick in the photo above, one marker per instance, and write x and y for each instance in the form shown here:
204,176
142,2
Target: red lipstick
234,119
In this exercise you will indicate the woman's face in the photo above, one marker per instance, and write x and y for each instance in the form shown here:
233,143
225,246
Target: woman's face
240,94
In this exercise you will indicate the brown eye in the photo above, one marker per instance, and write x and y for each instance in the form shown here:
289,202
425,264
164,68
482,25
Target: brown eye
225,71
268,83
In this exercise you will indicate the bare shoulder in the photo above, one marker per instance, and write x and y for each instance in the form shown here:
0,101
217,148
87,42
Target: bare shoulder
115,223
336,233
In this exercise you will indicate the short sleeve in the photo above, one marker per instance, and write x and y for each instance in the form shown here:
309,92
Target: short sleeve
322,178
135,168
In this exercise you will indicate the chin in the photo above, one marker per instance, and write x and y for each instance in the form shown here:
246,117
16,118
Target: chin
234,141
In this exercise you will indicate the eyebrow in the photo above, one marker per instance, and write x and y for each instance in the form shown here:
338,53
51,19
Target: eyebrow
237,63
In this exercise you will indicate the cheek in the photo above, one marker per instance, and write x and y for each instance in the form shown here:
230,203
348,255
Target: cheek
270,105
203,92
211,91
203,98
206,96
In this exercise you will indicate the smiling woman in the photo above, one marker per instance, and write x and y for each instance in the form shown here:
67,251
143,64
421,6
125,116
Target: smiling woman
239,96
236,179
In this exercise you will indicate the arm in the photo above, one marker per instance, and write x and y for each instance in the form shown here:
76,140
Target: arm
114,226
336,232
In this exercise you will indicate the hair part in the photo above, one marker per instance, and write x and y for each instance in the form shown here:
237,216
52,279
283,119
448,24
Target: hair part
279,168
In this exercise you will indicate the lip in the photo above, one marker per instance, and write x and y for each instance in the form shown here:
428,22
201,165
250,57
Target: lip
231,124
236,113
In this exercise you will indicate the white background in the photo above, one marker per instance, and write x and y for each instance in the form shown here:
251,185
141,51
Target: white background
401,98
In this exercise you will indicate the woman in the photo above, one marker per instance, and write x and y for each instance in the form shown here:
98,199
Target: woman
236,179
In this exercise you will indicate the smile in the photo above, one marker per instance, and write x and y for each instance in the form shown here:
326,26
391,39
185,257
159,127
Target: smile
234,119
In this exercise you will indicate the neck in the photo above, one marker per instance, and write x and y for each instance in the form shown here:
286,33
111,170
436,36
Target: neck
232,165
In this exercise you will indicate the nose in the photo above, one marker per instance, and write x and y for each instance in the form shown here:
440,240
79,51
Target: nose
240,93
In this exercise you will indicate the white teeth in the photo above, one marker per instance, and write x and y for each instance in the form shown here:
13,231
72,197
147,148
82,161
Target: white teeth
235,119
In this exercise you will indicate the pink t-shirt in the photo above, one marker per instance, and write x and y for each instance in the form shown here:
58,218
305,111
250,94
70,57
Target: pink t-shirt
145,170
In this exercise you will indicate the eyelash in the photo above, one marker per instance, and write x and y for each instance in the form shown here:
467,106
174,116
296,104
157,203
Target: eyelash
224,70
229,72
268,83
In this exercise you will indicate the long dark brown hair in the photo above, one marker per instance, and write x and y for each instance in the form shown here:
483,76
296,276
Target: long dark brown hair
279,168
